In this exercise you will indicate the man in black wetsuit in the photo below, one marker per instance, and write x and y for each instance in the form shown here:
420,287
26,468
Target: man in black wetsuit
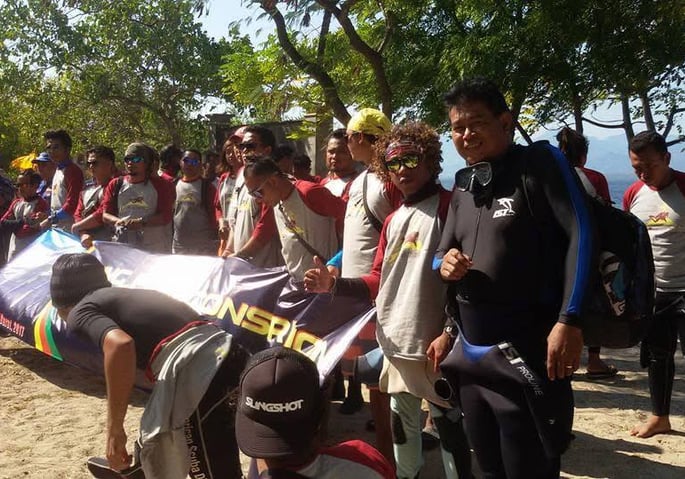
187,427
517,260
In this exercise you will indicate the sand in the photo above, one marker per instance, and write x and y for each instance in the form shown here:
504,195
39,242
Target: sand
52,418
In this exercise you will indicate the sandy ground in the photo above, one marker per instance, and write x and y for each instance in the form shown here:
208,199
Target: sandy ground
52,419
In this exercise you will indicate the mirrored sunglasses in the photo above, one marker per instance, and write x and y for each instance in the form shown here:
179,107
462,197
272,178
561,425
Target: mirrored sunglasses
133,159
480,173
408,161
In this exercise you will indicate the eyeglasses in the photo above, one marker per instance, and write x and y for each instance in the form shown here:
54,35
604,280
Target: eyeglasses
258,192
191,161
408,161
134,159
480,173
248,146
92,164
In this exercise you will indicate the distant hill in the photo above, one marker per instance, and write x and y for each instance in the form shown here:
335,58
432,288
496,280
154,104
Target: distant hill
608,155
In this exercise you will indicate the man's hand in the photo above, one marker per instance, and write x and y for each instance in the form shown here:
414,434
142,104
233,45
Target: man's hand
564,345
117,456
318,279
438,349
86,240
455,265
224,229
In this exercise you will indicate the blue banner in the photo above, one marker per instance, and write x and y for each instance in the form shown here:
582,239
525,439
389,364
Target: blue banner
259,307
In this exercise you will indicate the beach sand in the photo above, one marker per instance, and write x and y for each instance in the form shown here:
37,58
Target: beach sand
52,418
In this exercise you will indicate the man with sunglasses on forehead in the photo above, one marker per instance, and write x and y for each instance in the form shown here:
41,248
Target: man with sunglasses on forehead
516,252
88,221
409,298
140,204
195,226
253,228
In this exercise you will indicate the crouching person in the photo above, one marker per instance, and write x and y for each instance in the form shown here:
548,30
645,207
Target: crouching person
194,363
278,422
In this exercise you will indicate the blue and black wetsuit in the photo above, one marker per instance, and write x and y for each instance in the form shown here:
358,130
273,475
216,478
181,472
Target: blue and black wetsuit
532,249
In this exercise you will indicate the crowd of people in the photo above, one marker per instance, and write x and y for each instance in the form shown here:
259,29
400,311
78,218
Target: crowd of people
467,281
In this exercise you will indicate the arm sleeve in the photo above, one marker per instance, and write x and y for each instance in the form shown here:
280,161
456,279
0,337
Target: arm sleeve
166,196
630,194
568,206
73,177
78,214
322,202
109,202
218,214
266,224
9,214
87,320
373,278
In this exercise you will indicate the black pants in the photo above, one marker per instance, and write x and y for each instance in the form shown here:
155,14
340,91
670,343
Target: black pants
503,423
210,430
658,349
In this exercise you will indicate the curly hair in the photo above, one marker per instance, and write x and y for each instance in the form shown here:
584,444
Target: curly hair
419,133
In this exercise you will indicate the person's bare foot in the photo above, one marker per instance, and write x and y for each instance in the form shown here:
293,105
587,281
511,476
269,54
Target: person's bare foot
653,425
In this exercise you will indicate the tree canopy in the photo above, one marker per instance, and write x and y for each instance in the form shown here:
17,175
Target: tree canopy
554,59
109,72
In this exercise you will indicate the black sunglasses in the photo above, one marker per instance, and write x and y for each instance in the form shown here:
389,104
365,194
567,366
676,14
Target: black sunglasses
480,173
248,146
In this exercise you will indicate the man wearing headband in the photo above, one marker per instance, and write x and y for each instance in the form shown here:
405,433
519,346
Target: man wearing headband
188,421
517,260
195,226
409,298
139,205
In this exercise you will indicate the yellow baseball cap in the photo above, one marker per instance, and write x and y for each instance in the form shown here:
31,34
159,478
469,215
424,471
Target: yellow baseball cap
370,121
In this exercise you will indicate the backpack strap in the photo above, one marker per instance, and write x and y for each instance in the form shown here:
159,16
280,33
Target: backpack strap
375,222
117,189
290,224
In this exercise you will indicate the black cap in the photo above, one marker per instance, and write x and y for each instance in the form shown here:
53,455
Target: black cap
74,276
280,406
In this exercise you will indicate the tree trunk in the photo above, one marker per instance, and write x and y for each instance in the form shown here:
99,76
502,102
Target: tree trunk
627,121
647,111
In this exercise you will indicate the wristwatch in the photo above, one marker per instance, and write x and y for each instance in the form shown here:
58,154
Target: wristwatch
451,331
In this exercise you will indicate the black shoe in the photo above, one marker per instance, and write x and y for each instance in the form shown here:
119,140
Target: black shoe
99,468
351,405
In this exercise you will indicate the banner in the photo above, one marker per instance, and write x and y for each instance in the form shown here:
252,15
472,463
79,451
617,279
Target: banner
259,307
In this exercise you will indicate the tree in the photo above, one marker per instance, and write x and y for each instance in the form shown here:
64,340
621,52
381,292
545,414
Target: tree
133,69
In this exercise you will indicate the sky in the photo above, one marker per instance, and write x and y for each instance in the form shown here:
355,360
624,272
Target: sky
608,147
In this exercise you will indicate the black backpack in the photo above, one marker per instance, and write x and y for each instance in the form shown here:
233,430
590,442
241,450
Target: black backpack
621,302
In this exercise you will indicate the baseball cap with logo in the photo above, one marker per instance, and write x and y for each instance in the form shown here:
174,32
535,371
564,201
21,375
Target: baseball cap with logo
370,121
42,158
280,406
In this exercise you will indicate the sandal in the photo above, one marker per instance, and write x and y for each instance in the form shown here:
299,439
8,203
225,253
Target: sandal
607,373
